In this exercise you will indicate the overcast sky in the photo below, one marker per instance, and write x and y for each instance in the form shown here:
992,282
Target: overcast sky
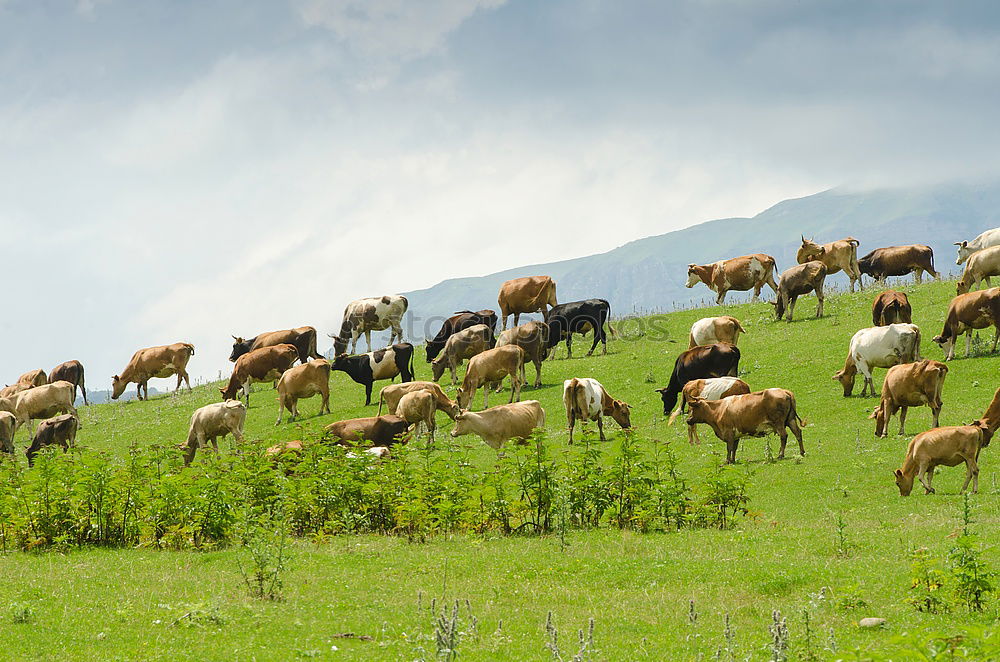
185,170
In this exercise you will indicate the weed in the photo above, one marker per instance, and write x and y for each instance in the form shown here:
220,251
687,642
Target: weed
21,614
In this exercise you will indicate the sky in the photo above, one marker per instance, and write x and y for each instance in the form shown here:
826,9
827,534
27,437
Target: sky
184,170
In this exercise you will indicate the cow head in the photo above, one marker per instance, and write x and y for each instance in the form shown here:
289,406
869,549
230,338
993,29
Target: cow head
117,387
963,251
946,343
878,415
620,412
961,287
693,277
846,379
230,392
903,482
463,398
461,424
437,368
779,307
339,361
809,251
984,428
240,347
699,410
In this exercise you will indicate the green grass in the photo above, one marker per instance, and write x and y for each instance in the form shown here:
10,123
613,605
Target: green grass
144,604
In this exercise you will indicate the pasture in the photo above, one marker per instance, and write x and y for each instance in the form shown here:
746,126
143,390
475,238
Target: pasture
826,539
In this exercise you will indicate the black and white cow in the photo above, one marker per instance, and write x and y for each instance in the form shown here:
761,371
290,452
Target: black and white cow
367,315
461,320
381,364
581,317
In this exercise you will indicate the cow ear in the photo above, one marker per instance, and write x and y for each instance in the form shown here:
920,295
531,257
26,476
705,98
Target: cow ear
897,473
660,390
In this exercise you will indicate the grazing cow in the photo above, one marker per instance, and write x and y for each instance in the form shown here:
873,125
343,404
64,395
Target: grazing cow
739,274
947,446
753,414
461,345
797,281
391,395
501,423
710,330
58,430
460,320
992,416
980,267
266,364
303,338
213,421
379,430
837,255
488,369
899,261
72,372
15,388
161,361
526,295
533,338
580,317
878,347
8,426
7,404
891,307
586,399
304,381
985,240
33,378
715,360
418,407
909,385
967,312
367,315
44,402
366,369
714,388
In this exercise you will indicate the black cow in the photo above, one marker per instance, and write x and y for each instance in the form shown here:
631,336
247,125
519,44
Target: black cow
463,319
303,338
59,430
385,363
581,317
703,362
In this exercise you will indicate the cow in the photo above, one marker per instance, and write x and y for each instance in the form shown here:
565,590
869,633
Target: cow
715,360
992,415
303,338
44,402
710,330
878,347
526,295
891,307
967,312
8,426
291,448
461,345
33,378
160,361
946,446
499,424
58,430
418,408
366,369
739,274
985,240
580,317
265,364
213,421
372,314
304,381
379,430
899,261
909,385
586,399
488,369
797,281
980,267
391,395
714,388
72,372
753,414
463,319
13,389
836,255
533,338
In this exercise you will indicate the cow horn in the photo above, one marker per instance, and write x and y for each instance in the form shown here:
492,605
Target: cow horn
803,238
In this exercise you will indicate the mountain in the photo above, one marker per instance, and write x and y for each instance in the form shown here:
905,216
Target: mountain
649,274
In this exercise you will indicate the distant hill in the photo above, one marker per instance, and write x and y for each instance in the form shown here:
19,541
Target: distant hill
649,274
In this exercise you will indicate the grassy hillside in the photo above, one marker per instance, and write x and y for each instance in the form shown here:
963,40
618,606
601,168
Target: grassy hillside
786,554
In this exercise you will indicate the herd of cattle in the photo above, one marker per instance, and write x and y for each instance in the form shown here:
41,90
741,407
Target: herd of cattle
704,377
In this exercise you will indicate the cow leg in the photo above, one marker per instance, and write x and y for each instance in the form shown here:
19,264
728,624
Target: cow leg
572,421
935,413
968,343
187,379
517,317
598,337
791,307
731,451
515,388
368,339
902,421
281,410
538,374
996,337
486,396
693,434
925,476
819,297
368,393
721,298
971,474
431,426
783,436
454,372
569,346
918,275
600,426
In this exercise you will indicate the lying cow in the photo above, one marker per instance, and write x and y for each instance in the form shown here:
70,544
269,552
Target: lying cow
891,307
981,266
460,346
714,388
489,369
836,256
418,408
967,312
985,240
753,414
160,361
715,360
366,369
947,446
59,430
379,430
586,399
878,347
499,424
749,272
72,372
457,322
533,338
8,426
213,421
372,314
526,295
303,338
899,261
392,394
797,281
45,402
304,381
265,364
909,385
710,330
580,317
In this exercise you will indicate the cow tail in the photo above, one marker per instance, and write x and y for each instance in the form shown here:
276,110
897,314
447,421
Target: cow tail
381,399
413,375
916,345
190,347
739,327
795,413
614,333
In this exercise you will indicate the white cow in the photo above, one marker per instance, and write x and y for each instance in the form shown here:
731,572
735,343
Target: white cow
367,315
213,421
498,424
985,240
878,347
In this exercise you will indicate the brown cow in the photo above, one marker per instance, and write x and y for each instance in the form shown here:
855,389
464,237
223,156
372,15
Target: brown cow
379,430
532,337
391,395
739,274
30,379
489,368
947,446
710,330
418,408
836,255
44,401
753,414
796,281
526,295
992,416
8,426
980,267
160,361
899,261
891,307
967,312
304,381
60,430
12,390
909,385
499,424
304,339
461,345
72,372
266,364
713,388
